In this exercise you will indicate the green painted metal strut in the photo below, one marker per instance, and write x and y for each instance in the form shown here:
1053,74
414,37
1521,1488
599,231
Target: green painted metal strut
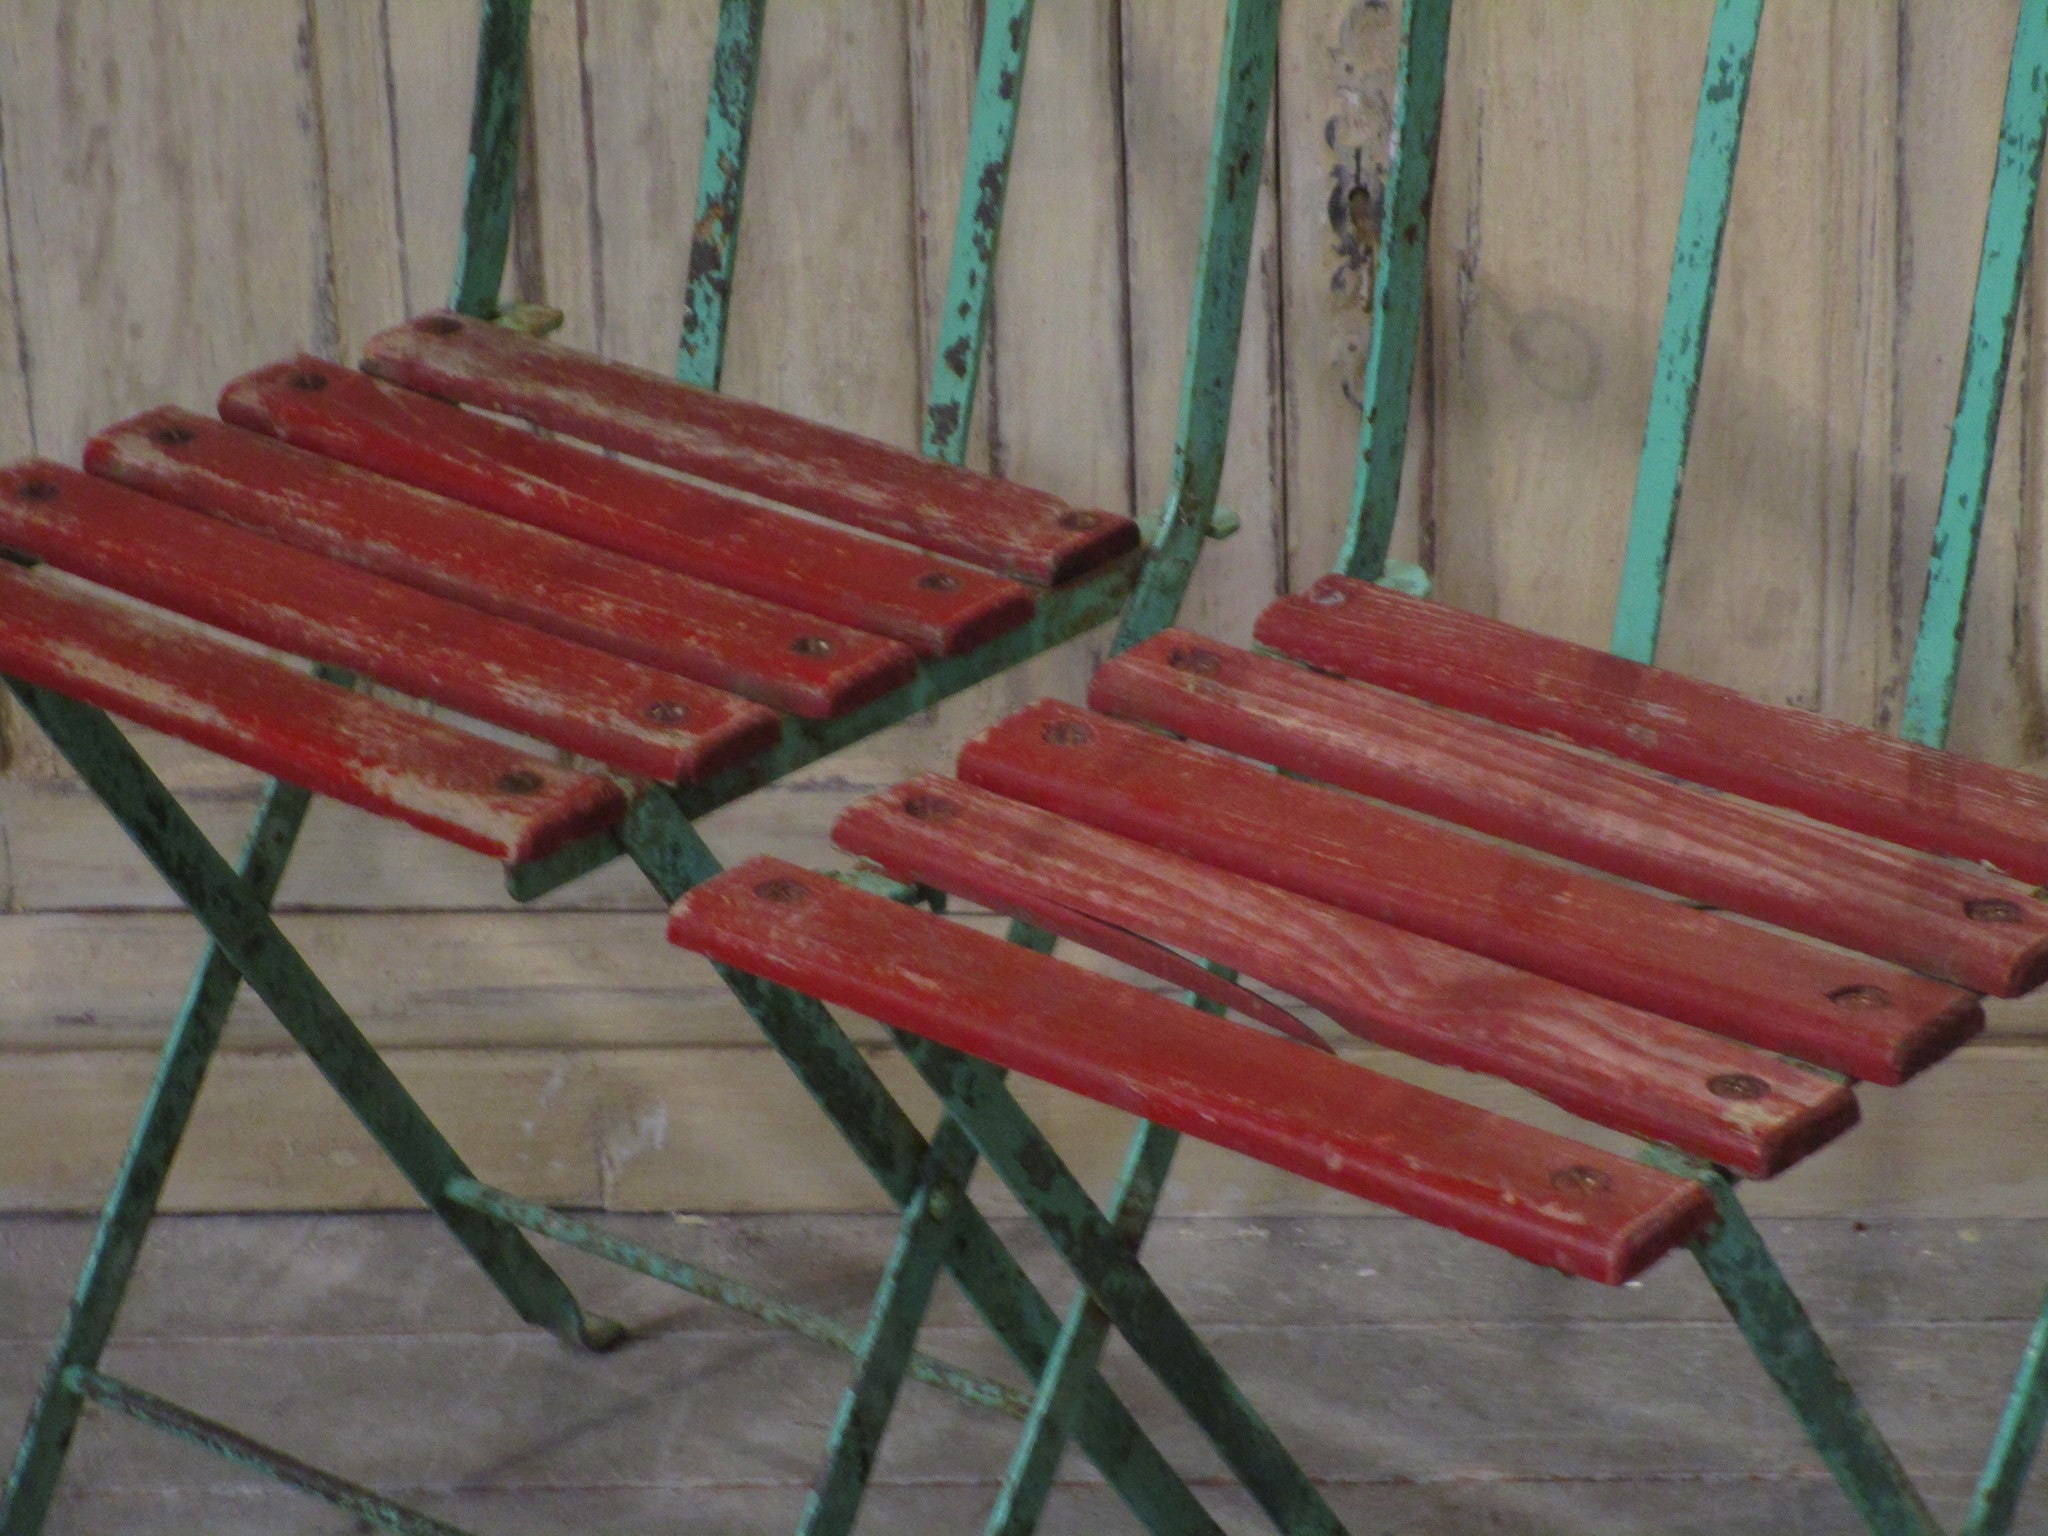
1397,289
493,157
1997,1498
249,938
132,1203
1695,264
2001,270
1237,155
721,185
984,185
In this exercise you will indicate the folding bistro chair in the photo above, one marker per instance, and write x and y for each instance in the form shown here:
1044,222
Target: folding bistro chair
689,638
1152,827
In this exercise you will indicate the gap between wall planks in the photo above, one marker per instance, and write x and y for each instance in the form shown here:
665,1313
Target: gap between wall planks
151,255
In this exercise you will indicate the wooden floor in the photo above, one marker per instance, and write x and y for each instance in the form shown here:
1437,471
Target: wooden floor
1429,1385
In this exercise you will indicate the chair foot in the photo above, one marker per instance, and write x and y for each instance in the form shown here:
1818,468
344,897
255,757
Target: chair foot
597,1334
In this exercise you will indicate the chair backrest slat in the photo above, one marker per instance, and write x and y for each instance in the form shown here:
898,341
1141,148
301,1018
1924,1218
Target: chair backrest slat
2001,269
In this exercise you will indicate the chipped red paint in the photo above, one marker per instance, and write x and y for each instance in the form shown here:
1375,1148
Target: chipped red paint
627,716
1606,1062
996,524
1856,1016
786,660
1955,922
1543,1197
1844,775
284,723
937,607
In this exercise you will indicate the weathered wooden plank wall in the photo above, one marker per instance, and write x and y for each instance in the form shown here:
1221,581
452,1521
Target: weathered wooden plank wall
189,189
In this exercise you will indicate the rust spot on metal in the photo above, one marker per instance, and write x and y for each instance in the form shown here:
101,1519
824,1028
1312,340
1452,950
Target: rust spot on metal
1860,996
520,781
1581,1180
1992,909
668,712
811,645
937,581
930,808
440,325
783,891
1193,659
1738,1085
1068,733
956,356
36,490
945,418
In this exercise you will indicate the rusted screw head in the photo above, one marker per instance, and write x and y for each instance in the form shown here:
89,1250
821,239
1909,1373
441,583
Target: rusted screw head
668,712
440,325
782,890
811,645
937,581
1992,909
520,781
1580,1180
171,436
1193,659
1860,997
1327,597
1078,521
1068,733
308,381
1737,1085
37,490
930,808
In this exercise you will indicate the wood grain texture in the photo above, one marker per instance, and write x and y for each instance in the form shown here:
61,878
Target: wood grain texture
787,660
1841,1011
998,525
1540,1197
1962,924
282,722
938,607
629,717
1603,1061
1845,775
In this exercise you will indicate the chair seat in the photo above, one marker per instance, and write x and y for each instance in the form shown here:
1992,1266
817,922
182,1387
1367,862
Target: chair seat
654,625
1708,972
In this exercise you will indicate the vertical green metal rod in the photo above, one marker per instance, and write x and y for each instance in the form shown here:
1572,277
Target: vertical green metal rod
1695,264
1747,1279
673,856
721,184
132,1203
1043,1184
1244,99
984,185
1028,1482
2001,269
250,939
1397,290
493,157
1997,1498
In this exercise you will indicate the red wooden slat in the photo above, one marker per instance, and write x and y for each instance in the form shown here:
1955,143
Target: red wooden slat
996,524
1602,1060
623,714
789,661
937,607
1856,1016
1814,879
1542,1197
1841,774
294,727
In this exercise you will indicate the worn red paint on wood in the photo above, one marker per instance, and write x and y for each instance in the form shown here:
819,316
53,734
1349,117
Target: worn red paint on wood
996,524
627,716
1845,1012
1953,921
295,727
1542,1197
789,661
1841,774
1602,1060
937,607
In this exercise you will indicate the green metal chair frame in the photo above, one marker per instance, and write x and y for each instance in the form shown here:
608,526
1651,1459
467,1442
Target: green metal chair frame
942,1229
